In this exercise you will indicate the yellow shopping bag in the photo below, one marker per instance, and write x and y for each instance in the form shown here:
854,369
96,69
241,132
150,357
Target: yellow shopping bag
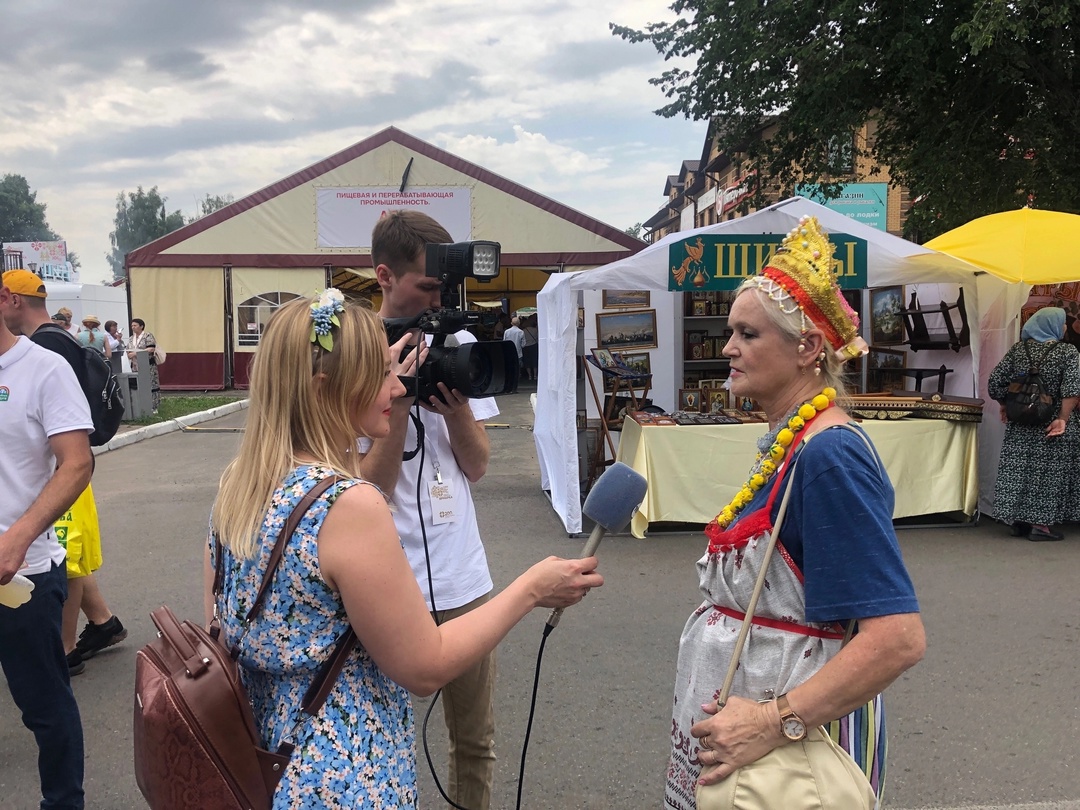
78,532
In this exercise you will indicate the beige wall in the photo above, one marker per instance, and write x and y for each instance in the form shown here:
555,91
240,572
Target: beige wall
184,307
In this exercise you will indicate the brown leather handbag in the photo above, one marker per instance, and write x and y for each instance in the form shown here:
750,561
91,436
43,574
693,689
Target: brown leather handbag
196,742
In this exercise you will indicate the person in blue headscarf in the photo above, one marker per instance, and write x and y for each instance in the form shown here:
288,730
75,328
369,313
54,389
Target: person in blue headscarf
1037,485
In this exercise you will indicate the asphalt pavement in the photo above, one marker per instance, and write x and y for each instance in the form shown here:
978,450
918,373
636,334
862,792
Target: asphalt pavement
988,720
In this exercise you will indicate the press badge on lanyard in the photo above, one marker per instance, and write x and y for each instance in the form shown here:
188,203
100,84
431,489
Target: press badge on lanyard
443,499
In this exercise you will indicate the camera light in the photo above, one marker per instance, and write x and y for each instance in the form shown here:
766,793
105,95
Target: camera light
453,262
485,260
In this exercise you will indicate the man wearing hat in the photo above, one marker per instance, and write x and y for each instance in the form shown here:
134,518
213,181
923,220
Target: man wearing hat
44,427
26,314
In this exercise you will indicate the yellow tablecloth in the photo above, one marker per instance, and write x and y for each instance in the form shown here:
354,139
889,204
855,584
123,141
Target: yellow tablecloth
693,470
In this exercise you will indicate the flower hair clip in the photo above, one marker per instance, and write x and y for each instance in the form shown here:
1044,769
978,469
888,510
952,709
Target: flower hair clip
324,310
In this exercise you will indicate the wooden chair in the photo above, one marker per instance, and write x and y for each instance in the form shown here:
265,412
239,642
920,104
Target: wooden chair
918,373
922,337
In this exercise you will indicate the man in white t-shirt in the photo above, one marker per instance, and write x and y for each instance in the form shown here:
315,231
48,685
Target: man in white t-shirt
452,564
44,431
517,337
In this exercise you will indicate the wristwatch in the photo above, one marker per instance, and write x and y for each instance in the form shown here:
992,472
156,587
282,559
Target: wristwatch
791,725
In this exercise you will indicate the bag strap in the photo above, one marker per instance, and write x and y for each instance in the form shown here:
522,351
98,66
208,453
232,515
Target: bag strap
324,682
1036,368
319,690
278,550
748,619
759,585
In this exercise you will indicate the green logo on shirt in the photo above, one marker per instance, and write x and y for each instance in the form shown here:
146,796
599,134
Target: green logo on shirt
5,392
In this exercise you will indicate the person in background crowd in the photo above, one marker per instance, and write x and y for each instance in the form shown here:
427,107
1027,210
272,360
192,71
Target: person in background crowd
321,378
26,314
530,348
116,337
44,427
1038,484
63,319
142,340
517,337
837,558
439,531
93,336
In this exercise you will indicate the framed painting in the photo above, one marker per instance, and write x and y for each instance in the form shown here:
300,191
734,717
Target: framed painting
882,369
625,299
853,375
581,317
603,358
886,323
637,362
626,330
717,400
690,400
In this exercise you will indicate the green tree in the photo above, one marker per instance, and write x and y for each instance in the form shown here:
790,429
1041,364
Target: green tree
140,218
209,204
634,230
22,217
973,104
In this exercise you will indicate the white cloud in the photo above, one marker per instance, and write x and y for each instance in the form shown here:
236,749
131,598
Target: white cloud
205,97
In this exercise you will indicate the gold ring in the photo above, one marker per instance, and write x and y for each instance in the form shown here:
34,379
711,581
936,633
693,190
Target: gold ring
704,743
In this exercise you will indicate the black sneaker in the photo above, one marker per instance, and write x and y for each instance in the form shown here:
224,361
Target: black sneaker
76,665
96,637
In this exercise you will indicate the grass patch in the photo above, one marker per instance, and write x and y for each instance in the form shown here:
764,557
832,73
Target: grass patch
172,407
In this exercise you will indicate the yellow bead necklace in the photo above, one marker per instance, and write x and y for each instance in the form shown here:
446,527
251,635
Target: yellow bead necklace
767,462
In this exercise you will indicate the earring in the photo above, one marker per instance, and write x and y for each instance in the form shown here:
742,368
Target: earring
802,346
817,365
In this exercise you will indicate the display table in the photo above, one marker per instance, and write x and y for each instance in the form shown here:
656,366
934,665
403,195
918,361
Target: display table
693,470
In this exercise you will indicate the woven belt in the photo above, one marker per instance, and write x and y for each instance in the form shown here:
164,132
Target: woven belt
777,624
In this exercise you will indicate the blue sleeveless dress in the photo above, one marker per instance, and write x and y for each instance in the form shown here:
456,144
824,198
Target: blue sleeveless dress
359,751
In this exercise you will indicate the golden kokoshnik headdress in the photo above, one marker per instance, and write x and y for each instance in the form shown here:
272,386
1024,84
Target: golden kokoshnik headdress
799,278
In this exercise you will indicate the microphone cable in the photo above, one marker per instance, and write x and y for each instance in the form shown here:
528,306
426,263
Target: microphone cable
420,449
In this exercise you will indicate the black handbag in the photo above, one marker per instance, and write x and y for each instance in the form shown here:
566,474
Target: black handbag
1026,399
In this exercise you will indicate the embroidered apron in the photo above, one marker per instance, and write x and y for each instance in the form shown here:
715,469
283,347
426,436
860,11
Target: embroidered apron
782,650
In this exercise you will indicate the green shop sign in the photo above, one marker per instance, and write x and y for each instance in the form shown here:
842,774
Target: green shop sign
709,262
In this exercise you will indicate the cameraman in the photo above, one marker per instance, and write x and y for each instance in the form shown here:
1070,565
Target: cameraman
455,453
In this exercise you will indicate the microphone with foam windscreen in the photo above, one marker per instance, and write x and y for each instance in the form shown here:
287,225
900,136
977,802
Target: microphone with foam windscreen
611,504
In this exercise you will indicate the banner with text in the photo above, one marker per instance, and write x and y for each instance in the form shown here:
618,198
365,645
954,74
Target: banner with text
711,262
865,202
347,215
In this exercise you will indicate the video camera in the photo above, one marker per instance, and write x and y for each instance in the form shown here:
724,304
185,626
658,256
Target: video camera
480,369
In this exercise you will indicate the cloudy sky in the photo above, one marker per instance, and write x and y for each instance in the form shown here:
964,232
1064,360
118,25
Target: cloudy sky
201,97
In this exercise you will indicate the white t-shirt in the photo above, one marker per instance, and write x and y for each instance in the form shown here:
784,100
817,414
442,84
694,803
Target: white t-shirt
459,569
39,397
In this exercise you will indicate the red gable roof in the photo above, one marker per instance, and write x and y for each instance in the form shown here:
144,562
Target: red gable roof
150,255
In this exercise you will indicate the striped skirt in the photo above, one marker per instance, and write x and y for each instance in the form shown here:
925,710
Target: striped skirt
862,734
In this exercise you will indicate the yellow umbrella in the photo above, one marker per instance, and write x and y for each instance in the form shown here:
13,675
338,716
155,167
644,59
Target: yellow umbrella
1027,245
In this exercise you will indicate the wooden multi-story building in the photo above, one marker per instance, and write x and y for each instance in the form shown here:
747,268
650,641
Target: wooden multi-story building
716,186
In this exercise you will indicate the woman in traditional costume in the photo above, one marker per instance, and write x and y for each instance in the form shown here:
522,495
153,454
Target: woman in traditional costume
837,559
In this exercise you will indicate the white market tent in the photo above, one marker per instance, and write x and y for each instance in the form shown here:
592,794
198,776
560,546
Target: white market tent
993,308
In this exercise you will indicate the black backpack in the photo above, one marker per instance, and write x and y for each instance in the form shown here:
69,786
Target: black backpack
101,388
1026,399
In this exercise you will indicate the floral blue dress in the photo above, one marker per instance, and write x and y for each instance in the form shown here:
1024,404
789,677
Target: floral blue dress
359,751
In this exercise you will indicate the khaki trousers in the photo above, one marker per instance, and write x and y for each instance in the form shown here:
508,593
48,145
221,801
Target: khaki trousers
469,711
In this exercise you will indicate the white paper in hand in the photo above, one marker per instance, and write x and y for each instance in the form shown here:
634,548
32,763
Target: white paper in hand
16,592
